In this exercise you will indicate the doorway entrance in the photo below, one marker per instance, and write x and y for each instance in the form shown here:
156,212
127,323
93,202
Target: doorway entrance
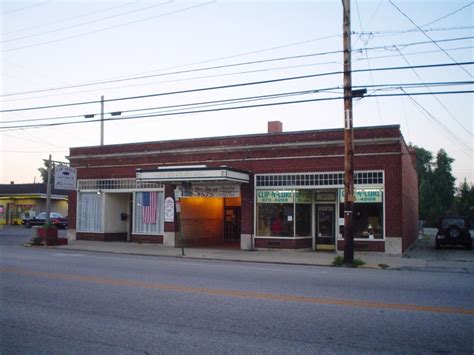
231,224
325,233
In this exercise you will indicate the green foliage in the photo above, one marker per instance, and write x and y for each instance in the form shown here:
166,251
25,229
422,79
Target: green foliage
44,173
464,200
49,225
339,261
435,185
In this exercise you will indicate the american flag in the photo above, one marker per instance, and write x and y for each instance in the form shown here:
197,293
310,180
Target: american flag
149,207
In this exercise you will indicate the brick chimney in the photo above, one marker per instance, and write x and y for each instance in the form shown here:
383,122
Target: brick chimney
275,127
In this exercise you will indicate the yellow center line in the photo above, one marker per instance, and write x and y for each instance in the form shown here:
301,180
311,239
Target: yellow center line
241,294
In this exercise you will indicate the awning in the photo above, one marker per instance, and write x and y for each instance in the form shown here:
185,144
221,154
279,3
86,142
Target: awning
193,174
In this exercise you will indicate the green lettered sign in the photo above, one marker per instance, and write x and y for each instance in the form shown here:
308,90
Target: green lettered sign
365,195
264,196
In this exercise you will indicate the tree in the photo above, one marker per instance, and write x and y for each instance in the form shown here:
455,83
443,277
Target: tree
464,200
44,173
425,176
444,181
435,184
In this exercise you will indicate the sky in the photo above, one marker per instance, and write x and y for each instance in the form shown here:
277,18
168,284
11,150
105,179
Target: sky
62,52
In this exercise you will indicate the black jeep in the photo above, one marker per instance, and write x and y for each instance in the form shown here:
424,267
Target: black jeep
453,230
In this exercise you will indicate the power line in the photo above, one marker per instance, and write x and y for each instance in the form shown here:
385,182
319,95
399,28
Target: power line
385,47
108,28
67,19
447,15
368,63
234,86
445,130
259,97
225,74
437,99
236,107
85,23
399,32
23,8
432,40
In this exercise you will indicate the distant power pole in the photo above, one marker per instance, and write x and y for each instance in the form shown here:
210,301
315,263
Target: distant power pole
102,120
48,190
348,139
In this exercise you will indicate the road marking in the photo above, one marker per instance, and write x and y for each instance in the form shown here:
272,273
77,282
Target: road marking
239,294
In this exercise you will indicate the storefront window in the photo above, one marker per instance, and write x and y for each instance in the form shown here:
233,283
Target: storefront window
368,214
148,214
89,212
275,213
303,219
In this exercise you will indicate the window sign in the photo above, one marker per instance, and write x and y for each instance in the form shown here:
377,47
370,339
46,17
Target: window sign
169,209
365,195
303,196
274,196
325,196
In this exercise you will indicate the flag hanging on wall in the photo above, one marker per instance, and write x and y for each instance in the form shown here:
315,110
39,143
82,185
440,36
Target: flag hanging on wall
149,207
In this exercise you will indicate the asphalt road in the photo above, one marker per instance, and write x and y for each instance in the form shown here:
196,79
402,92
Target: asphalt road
58,302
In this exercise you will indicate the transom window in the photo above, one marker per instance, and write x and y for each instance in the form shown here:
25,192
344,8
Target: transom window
318,179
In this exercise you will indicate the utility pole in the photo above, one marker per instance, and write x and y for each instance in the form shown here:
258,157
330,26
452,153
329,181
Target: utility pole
102,120
348,139
48,192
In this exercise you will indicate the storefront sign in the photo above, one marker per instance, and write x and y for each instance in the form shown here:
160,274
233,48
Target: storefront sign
65,177
224,190
169,209
365,195
274,196
304,197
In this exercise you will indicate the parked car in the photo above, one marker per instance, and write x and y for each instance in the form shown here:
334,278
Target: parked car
56,218
453,230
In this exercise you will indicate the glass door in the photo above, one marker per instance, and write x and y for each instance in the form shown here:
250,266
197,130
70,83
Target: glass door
325,233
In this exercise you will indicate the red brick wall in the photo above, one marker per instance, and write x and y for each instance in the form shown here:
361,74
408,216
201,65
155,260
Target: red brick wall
283,243
371,154
409,198
362,245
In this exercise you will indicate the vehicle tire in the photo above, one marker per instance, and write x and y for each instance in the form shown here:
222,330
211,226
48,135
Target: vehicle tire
27,225
454,232
437,244
469,245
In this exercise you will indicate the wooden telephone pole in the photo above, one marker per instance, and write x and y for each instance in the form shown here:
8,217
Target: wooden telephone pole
348,139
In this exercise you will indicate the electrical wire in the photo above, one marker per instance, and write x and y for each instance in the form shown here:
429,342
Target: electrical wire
85,23
108,28
448,15
436,98
235,108
226,74
24,8
236,85
385,47
431,39
444,129
67,19
259,97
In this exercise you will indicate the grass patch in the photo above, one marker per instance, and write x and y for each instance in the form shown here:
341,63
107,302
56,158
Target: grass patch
339,261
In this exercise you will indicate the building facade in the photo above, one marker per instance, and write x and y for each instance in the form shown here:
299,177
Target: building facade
274,190
20,201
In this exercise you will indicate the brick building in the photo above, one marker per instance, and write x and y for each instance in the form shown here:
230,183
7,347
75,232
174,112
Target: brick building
273,190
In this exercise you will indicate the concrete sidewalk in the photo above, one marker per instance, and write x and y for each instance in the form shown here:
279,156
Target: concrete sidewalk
296,257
